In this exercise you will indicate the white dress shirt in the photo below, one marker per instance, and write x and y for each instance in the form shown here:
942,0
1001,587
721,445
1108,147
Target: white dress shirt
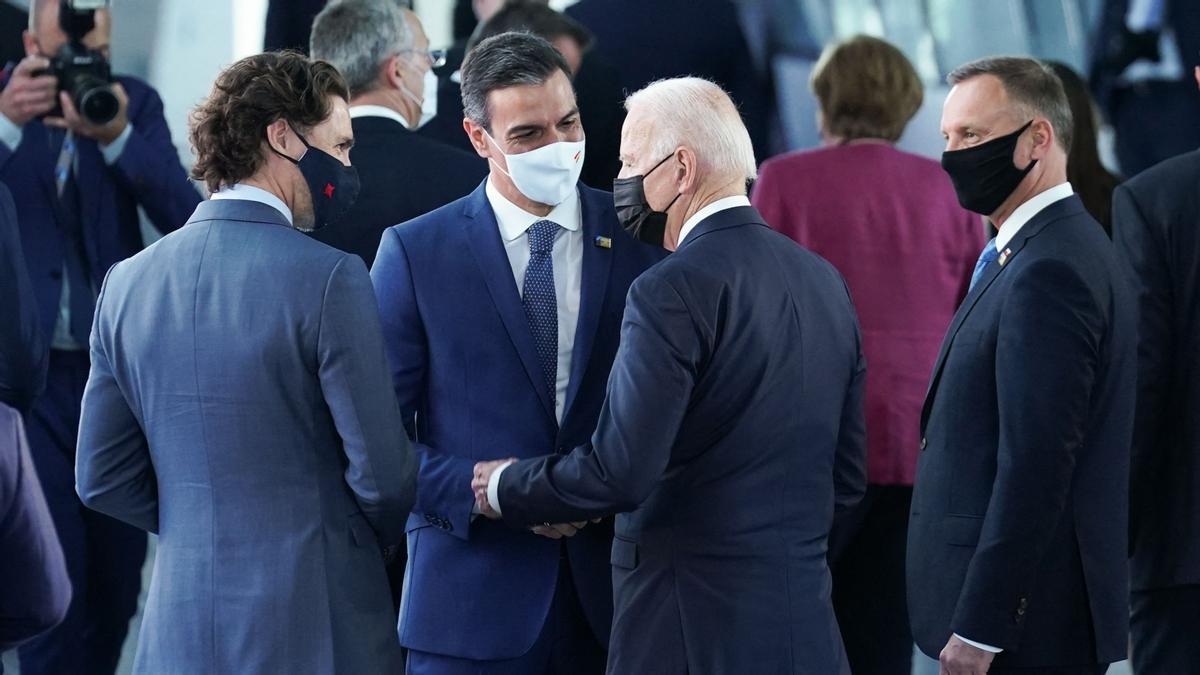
1025,212
713,208
567,257
357,111
1019,218
250,193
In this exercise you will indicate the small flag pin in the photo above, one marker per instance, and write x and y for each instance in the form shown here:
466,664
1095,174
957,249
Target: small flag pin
603,242
1005,256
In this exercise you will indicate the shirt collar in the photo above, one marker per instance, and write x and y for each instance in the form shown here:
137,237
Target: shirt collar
250,193
357,111
710,210
514,220
1025,212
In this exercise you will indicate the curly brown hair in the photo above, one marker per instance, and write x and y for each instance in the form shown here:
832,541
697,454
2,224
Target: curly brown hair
228,128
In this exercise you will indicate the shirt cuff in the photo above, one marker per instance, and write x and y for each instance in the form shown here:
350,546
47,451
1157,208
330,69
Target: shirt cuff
979,645
112,151
494,488
10,133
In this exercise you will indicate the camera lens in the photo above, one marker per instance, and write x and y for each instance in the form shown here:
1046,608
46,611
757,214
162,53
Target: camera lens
95,100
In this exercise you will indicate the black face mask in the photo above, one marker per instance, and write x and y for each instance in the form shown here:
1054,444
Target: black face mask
635,214
984,176
333,185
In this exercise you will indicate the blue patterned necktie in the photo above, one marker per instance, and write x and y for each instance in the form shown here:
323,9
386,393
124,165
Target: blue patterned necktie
989,255
541,305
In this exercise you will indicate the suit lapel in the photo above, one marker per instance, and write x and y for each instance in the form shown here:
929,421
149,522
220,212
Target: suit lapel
483,238
597,264
1040,221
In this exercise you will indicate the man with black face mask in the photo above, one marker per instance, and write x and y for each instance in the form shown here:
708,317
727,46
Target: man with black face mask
1017,540
239,406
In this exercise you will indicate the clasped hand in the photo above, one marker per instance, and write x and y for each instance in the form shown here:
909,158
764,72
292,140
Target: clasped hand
479,485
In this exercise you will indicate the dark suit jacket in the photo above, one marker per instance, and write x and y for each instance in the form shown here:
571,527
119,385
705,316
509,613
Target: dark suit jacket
732,431
34,587
648,41
147,174
1156,225
465,367
1111,47
403,176
1017,535
23,347
238,405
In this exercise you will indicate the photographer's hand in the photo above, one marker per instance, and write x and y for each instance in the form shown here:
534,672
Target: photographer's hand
28,96
104,134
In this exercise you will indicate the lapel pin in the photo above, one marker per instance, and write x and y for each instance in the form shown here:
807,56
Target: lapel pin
603,242
1005,256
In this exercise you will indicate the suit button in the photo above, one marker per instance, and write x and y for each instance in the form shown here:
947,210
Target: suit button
924,442
562,450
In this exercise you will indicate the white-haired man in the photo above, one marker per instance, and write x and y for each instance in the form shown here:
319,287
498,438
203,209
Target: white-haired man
733,427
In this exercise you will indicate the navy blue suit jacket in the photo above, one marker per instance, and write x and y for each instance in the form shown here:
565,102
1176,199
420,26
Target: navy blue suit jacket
1156,227
23,347
470,387
147,174
732,431
1018,531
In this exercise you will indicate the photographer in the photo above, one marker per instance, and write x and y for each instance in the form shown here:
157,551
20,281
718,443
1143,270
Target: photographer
77,186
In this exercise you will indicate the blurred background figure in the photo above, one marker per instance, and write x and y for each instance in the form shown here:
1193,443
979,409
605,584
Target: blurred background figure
289,23
890,222
34,587
384,54
1157,234
1085,171
1141,68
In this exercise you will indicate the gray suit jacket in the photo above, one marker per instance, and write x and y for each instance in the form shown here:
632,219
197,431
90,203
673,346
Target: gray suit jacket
239,406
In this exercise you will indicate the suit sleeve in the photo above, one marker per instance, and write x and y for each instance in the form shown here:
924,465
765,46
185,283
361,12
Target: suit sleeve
1047,357
850,462
34,587
381,468
149,167
649,390
444,477
113,471
23,348
1141,254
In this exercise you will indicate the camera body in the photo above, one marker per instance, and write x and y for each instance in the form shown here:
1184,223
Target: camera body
84,73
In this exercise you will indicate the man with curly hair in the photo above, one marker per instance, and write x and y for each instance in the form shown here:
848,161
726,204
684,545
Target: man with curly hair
239,402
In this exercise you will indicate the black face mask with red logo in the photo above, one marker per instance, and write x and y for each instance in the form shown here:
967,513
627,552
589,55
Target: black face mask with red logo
334,186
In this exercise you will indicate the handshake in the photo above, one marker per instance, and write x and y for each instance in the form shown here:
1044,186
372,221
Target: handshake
479,485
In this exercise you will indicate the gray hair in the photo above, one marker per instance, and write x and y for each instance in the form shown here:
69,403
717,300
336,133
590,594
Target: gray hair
1032,87
506,60
694,112
357,37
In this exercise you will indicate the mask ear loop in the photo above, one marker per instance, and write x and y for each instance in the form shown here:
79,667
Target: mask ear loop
303,140
677,194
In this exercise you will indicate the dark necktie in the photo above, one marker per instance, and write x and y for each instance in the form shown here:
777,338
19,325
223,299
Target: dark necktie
82,298
541,305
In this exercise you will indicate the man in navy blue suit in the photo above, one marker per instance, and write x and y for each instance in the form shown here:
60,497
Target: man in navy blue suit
733,428
500,314
77,188
1017,542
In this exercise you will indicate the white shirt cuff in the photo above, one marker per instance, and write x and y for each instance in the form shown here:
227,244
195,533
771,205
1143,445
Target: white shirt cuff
10,133
112,151
494,488
979,645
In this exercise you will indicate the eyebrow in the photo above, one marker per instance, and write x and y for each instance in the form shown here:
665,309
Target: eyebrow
522,128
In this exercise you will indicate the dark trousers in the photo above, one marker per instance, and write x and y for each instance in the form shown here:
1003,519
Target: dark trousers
566,645
1053,670
1165,627
866,556
104,556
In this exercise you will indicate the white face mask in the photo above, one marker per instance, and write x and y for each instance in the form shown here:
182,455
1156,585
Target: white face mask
546,175
428,100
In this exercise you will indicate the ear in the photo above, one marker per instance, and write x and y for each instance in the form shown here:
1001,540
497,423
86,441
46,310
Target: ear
687,166
281,138
479,141
1043,138
389,72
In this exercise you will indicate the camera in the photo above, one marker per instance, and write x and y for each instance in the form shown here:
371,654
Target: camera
84,73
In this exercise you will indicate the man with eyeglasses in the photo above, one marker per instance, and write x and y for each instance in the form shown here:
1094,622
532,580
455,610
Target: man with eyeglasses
383,53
